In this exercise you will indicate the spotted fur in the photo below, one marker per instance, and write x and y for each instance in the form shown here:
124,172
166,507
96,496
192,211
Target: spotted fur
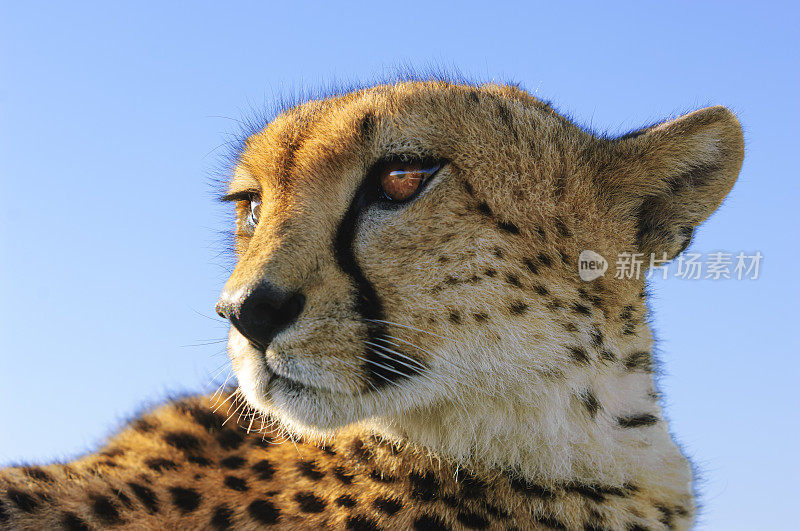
449,368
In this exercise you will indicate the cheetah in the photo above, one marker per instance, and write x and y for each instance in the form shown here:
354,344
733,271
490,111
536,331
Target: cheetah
413,344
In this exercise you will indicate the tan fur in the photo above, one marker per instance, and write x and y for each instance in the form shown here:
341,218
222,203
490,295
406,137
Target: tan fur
536,407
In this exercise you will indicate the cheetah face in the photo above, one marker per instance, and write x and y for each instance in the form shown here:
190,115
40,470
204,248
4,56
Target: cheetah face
414,245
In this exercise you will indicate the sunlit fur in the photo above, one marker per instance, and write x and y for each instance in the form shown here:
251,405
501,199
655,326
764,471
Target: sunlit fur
502,386
531,403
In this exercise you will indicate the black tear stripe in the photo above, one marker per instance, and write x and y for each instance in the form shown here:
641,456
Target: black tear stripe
383,367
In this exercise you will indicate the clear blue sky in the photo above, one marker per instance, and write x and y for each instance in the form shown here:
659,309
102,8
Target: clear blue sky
110,237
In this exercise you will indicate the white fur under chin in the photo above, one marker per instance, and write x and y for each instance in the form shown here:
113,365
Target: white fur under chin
537,438
534,428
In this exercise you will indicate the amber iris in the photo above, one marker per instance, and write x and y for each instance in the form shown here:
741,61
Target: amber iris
401,181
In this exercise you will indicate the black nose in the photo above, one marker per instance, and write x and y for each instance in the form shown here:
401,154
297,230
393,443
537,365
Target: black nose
259,314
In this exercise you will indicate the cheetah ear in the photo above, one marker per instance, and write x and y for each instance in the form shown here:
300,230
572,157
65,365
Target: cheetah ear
670,177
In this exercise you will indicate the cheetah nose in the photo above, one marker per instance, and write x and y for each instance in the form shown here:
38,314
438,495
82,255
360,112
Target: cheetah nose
260,313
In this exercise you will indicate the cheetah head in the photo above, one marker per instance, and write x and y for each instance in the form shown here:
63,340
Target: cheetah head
408,256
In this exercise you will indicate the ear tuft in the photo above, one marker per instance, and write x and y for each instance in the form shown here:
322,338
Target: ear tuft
672,176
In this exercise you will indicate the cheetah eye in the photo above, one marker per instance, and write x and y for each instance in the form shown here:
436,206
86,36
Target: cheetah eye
400,181
253,212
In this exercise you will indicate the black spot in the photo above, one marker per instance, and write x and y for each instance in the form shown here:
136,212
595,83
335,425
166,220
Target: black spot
627,313
570,327
564,257
554,304
637,421
345,500
562,229
635,527
498,252
361,523
581,308
666,515
484,208
4,516
263,511
608,355
544,260
198,460
598,493
508,119
518,308
186,500
233,462
494,511
388,505
513,280
235,483
597,337
590,402
340,474
473,520
530,489
182,440
360,450
72,522
123,498
309,470
23,500
454,317
491,273
146,496
641,361
424,487
480,317
579,354
230,439
429,522
223,518
142,426
508,227
443,259
309,503
159,463
209,420
328,450
34,472
105,510
468,188
263,469
595,522
472,487
585,295
533,268
367,127
541,290
550,522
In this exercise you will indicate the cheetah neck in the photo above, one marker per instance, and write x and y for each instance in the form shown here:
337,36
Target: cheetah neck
550,431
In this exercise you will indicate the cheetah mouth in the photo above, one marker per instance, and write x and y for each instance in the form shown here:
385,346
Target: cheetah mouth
285,381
